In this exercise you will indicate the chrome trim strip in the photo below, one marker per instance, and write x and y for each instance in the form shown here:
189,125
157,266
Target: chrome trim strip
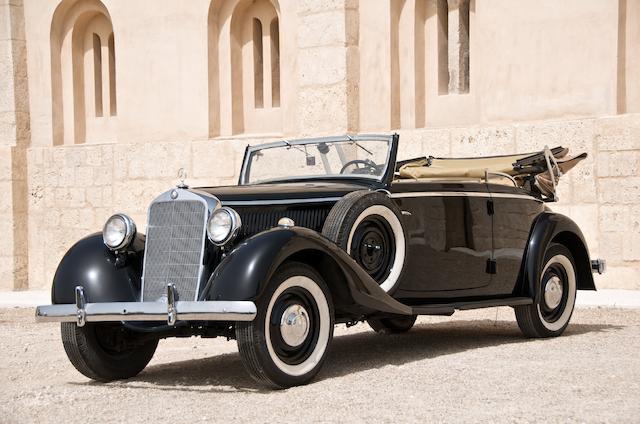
326,139
279,201
515,196
462,194
393,195
150,311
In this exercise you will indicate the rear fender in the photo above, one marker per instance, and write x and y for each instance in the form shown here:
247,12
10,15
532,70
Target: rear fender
245,272
556,228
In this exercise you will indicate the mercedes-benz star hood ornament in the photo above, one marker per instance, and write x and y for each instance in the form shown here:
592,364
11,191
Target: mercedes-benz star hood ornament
182,175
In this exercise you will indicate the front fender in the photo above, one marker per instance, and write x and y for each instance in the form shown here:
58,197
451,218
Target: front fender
245,272
90,264
553,227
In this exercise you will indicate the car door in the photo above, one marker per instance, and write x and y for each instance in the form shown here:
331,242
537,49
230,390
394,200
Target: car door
514,213
449,237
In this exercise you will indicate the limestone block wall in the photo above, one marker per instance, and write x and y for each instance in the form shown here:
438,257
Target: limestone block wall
14,135
74,189
327,54
13,217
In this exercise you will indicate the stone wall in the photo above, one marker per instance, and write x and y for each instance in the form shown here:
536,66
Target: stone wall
14,136
74,189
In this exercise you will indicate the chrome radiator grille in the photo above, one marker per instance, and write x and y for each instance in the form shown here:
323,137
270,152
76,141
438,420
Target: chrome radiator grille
174,248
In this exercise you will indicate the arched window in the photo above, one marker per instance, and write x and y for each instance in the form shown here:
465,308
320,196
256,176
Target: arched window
258,64
274,36
83,71
244,67
97,73
112,77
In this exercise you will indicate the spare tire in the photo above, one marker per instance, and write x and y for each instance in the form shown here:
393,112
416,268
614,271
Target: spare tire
368,226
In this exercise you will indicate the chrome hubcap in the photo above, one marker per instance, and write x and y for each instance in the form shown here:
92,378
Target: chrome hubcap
553,292
294,325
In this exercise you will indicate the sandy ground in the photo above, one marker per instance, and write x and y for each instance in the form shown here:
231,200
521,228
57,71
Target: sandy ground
474,366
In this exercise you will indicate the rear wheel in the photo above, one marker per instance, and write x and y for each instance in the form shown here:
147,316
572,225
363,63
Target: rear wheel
394,325
550,314
287,342
106,351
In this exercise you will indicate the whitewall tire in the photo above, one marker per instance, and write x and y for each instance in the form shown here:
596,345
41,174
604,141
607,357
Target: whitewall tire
551,311
288,341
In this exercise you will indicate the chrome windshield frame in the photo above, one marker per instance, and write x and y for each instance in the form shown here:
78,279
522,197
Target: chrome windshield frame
384,179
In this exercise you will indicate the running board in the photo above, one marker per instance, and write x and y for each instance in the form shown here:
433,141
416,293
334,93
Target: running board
450,308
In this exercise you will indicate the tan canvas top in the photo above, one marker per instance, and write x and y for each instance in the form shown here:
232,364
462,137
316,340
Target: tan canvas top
460,168
476,167
539,172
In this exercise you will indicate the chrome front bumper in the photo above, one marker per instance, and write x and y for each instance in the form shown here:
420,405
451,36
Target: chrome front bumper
171,312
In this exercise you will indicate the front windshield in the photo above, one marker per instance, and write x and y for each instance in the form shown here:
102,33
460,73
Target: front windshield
350,157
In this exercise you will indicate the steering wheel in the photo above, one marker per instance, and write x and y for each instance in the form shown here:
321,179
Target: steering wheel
369,167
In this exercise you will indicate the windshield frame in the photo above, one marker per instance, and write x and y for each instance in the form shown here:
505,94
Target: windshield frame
384,180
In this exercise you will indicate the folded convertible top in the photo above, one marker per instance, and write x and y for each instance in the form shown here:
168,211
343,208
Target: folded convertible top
539,172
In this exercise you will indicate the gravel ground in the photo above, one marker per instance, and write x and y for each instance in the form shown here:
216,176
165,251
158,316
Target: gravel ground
474,366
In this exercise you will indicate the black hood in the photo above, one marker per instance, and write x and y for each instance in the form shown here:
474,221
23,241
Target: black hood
283,191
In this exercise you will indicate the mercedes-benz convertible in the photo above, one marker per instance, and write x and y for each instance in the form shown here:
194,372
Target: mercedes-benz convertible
320,232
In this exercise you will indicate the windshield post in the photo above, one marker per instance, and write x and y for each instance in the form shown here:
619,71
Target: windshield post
393,155
244,164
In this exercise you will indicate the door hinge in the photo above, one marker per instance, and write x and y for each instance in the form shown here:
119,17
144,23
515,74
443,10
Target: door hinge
491,266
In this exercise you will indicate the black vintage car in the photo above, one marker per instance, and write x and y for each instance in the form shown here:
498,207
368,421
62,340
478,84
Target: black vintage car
320,232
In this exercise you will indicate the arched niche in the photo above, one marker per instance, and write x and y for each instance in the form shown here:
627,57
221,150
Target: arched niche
408,47
244,67
83,80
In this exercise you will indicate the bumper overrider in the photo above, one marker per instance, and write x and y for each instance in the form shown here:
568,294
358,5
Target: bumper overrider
171,312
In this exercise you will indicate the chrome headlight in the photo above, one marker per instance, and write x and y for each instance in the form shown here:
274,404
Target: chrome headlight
118,231
223,226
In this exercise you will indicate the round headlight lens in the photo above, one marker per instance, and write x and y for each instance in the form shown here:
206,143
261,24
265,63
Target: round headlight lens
223,226
118,231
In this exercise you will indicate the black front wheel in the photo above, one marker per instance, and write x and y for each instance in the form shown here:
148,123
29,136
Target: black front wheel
106,351
287,342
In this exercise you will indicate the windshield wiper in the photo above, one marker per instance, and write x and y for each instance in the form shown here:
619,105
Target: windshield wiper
289,146
353,141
